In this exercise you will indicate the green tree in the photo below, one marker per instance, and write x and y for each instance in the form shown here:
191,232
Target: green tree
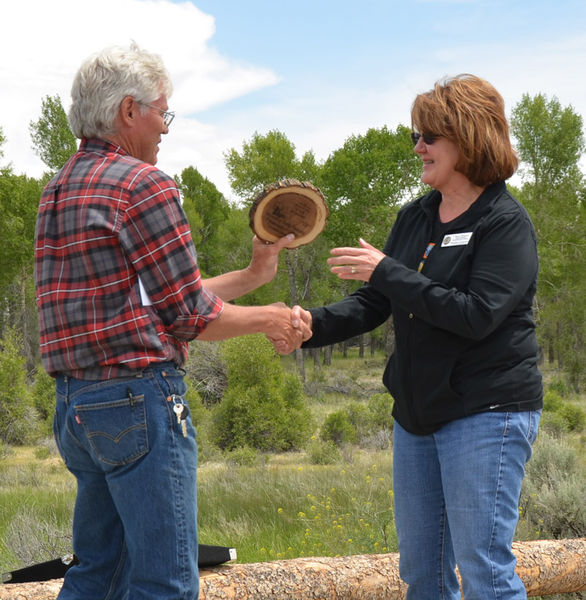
263,160
206,209
51,135
366,181
550,144
18,418
19,199
549,140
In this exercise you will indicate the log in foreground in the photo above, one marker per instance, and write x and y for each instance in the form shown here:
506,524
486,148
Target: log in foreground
546,567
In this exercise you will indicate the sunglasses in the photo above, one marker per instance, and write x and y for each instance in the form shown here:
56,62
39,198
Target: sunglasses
428,138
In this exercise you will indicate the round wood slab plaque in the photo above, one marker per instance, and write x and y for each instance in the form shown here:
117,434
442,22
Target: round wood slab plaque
289,206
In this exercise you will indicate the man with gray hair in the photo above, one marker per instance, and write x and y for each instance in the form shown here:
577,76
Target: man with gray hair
120,295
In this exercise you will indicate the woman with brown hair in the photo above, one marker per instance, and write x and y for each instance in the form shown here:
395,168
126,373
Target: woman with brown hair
458,274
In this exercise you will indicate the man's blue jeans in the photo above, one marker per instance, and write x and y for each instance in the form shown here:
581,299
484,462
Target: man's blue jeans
457,503
135,520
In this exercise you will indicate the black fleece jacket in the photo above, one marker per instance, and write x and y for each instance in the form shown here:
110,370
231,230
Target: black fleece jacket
464,331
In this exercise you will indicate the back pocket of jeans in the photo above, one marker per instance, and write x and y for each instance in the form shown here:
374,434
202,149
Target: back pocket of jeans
116,430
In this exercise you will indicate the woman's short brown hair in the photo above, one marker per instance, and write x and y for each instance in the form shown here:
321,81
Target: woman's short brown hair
469,111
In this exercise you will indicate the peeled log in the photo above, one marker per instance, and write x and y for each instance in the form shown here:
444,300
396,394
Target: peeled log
546,567
361,577
550,567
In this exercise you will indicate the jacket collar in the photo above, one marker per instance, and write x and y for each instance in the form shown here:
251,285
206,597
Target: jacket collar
483,204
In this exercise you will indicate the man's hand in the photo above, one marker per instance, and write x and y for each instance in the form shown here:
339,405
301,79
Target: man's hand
301,321
265,259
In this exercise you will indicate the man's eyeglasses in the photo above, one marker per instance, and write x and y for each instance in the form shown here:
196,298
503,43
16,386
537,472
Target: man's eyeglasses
168,116
428,138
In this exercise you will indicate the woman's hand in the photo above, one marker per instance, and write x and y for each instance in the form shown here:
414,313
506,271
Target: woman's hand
355,263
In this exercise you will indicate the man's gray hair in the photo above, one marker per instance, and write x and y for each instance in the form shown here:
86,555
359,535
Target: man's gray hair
105,79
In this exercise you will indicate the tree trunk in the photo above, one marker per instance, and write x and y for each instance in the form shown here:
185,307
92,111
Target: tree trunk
546,567
328,355
316,353
291,262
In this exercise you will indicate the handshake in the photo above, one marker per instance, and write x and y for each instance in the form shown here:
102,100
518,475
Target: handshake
287,328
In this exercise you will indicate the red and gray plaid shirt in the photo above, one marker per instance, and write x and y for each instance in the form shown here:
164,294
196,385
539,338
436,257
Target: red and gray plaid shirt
104,220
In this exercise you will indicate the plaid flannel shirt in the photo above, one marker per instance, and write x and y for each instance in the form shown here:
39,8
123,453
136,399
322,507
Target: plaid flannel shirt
105,220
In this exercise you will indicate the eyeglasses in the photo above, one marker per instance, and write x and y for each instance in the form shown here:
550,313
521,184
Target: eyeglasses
428,138
168,116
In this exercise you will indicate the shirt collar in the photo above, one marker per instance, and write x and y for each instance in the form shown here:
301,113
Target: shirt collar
101,146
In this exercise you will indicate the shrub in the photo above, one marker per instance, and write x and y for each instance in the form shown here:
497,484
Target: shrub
381,409
381,439
361,419
552,401
322,452
553,423
568,417
207,371
263,406
369,425
574,417
338,428
244,456
554,491
197,410
559,385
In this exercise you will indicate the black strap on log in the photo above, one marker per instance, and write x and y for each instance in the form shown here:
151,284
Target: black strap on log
208,556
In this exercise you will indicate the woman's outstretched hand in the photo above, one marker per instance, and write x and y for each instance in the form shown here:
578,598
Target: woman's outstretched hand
355,263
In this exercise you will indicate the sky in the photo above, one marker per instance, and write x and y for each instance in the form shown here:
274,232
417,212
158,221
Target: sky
319,71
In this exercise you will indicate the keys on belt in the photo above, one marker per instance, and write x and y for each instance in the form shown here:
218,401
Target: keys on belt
181,411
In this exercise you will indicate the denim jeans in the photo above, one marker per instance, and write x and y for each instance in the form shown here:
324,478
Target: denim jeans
457,503
135,519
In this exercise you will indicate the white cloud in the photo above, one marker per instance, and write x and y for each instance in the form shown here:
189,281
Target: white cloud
42,57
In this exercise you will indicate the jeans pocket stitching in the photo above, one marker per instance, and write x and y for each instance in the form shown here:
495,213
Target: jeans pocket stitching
140,443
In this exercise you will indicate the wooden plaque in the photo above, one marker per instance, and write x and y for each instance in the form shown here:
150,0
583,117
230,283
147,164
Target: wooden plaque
289,206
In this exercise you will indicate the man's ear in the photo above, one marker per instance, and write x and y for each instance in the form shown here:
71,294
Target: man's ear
128,111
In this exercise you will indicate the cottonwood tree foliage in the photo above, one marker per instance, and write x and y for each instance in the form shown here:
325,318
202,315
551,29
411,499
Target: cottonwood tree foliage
265,159
366,181
550,144
19,199
206,209
53,140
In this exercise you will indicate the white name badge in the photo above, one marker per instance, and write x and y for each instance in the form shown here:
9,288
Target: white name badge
456,239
